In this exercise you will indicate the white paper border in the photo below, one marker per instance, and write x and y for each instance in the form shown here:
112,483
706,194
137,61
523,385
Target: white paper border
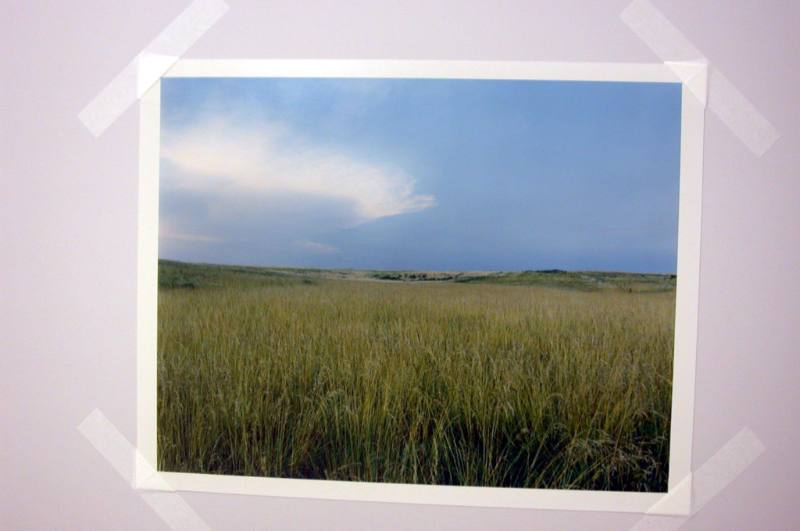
677,501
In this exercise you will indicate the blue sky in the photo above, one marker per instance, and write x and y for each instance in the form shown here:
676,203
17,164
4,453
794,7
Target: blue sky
420,174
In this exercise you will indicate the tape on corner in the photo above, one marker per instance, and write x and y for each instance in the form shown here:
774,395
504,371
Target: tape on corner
126,460
694,75
150,64
719,471
723,98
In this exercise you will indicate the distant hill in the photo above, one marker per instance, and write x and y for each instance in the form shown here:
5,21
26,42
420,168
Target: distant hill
174,274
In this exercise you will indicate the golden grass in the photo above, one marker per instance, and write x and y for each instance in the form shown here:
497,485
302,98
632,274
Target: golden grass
436,383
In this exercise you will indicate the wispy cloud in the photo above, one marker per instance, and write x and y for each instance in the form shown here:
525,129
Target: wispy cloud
187,237
229,159
315,247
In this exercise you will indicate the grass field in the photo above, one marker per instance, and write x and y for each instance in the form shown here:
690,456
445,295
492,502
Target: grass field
531,379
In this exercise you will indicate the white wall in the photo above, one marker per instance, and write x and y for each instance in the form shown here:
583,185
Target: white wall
67,238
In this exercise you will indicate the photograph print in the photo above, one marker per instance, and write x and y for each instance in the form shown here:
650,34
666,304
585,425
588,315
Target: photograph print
465,282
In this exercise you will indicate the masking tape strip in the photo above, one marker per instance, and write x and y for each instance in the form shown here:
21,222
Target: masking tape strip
169,506
721,469
724,99
150,64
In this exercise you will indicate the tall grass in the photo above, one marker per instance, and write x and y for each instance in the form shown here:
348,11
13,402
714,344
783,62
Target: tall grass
436,383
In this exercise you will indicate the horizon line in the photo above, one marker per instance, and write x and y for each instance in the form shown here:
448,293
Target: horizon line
553,270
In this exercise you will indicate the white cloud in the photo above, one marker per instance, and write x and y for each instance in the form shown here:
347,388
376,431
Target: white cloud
315,247
265,161
166,231
184,237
